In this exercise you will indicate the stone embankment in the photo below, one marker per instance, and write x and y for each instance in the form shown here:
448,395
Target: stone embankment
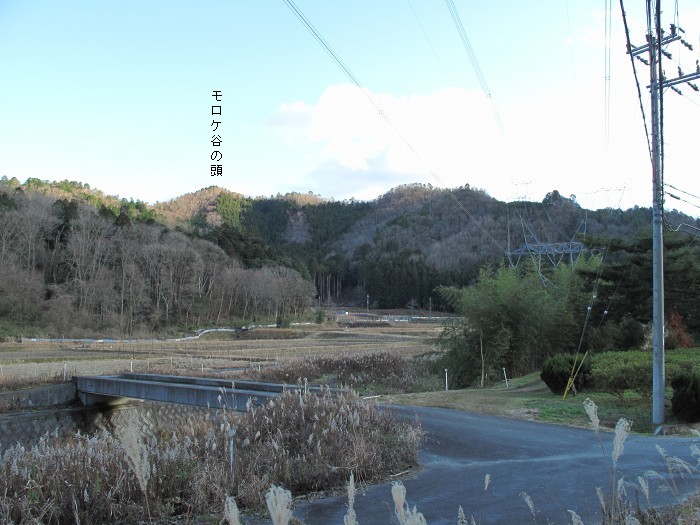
32,413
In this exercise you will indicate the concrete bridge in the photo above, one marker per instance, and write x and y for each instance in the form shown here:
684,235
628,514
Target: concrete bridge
195,391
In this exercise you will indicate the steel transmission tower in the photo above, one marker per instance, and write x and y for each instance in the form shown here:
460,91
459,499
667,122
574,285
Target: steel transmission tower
555,252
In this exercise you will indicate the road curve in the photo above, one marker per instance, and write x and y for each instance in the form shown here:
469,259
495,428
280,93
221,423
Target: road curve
558,467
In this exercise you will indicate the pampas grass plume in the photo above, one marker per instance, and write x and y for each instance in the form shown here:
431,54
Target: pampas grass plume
398,493
601,498
231,512
350,516
279,503
530,504
413,517
592,411
622,430
631,520
575,518
644,486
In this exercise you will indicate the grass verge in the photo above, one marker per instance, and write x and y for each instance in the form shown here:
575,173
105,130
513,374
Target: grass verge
528,397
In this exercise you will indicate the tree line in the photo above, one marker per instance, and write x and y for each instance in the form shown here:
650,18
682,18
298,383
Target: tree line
515,317
68,268
129,266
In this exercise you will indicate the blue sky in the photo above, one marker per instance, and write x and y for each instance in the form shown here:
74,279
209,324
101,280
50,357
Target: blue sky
118,95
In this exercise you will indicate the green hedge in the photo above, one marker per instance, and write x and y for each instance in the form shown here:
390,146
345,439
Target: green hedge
616,372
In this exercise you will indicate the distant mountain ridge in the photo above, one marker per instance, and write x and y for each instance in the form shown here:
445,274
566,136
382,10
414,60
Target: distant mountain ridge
350,248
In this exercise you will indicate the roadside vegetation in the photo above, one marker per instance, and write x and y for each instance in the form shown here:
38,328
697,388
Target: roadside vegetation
306,442
622,502
570,322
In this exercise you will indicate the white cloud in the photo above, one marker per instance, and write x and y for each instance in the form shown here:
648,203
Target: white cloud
451,138
294,114
451,133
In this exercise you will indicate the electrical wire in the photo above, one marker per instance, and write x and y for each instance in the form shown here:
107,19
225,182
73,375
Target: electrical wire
682,191
682,200
427,38
472,58
608,16
324,44
334,56
636,78
468,47
617,286
311,29
608,40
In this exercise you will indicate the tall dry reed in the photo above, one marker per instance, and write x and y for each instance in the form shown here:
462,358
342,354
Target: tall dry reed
301,441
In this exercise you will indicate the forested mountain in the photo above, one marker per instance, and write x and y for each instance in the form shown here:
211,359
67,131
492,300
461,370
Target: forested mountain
71,256
76,263
399,247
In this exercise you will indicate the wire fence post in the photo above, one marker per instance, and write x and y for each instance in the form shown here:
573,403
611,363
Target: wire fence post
231,434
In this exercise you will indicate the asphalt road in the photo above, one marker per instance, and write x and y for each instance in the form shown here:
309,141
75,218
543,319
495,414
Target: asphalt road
558,467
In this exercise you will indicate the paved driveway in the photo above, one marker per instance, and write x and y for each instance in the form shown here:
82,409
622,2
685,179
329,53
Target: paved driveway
559,467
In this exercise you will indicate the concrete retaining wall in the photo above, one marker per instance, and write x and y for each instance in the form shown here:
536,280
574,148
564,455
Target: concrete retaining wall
43,396
28,427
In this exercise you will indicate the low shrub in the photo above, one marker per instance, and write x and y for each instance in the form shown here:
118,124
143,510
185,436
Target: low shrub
320,316
557,369
283,322
676,334
685,403
462,357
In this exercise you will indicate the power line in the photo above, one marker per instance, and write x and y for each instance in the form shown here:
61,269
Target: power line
467,46
682,191
427,38
472,58
311,29
636,78
608,39
682,200
326,46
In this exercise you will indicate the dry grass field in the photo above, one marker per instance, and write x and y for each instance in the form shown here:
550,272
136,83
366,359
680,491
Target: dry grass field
34,362
304,441
303,348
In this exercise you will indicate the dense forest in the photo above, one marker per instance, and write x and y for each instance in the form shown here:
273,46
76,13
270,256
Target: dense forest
74,261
